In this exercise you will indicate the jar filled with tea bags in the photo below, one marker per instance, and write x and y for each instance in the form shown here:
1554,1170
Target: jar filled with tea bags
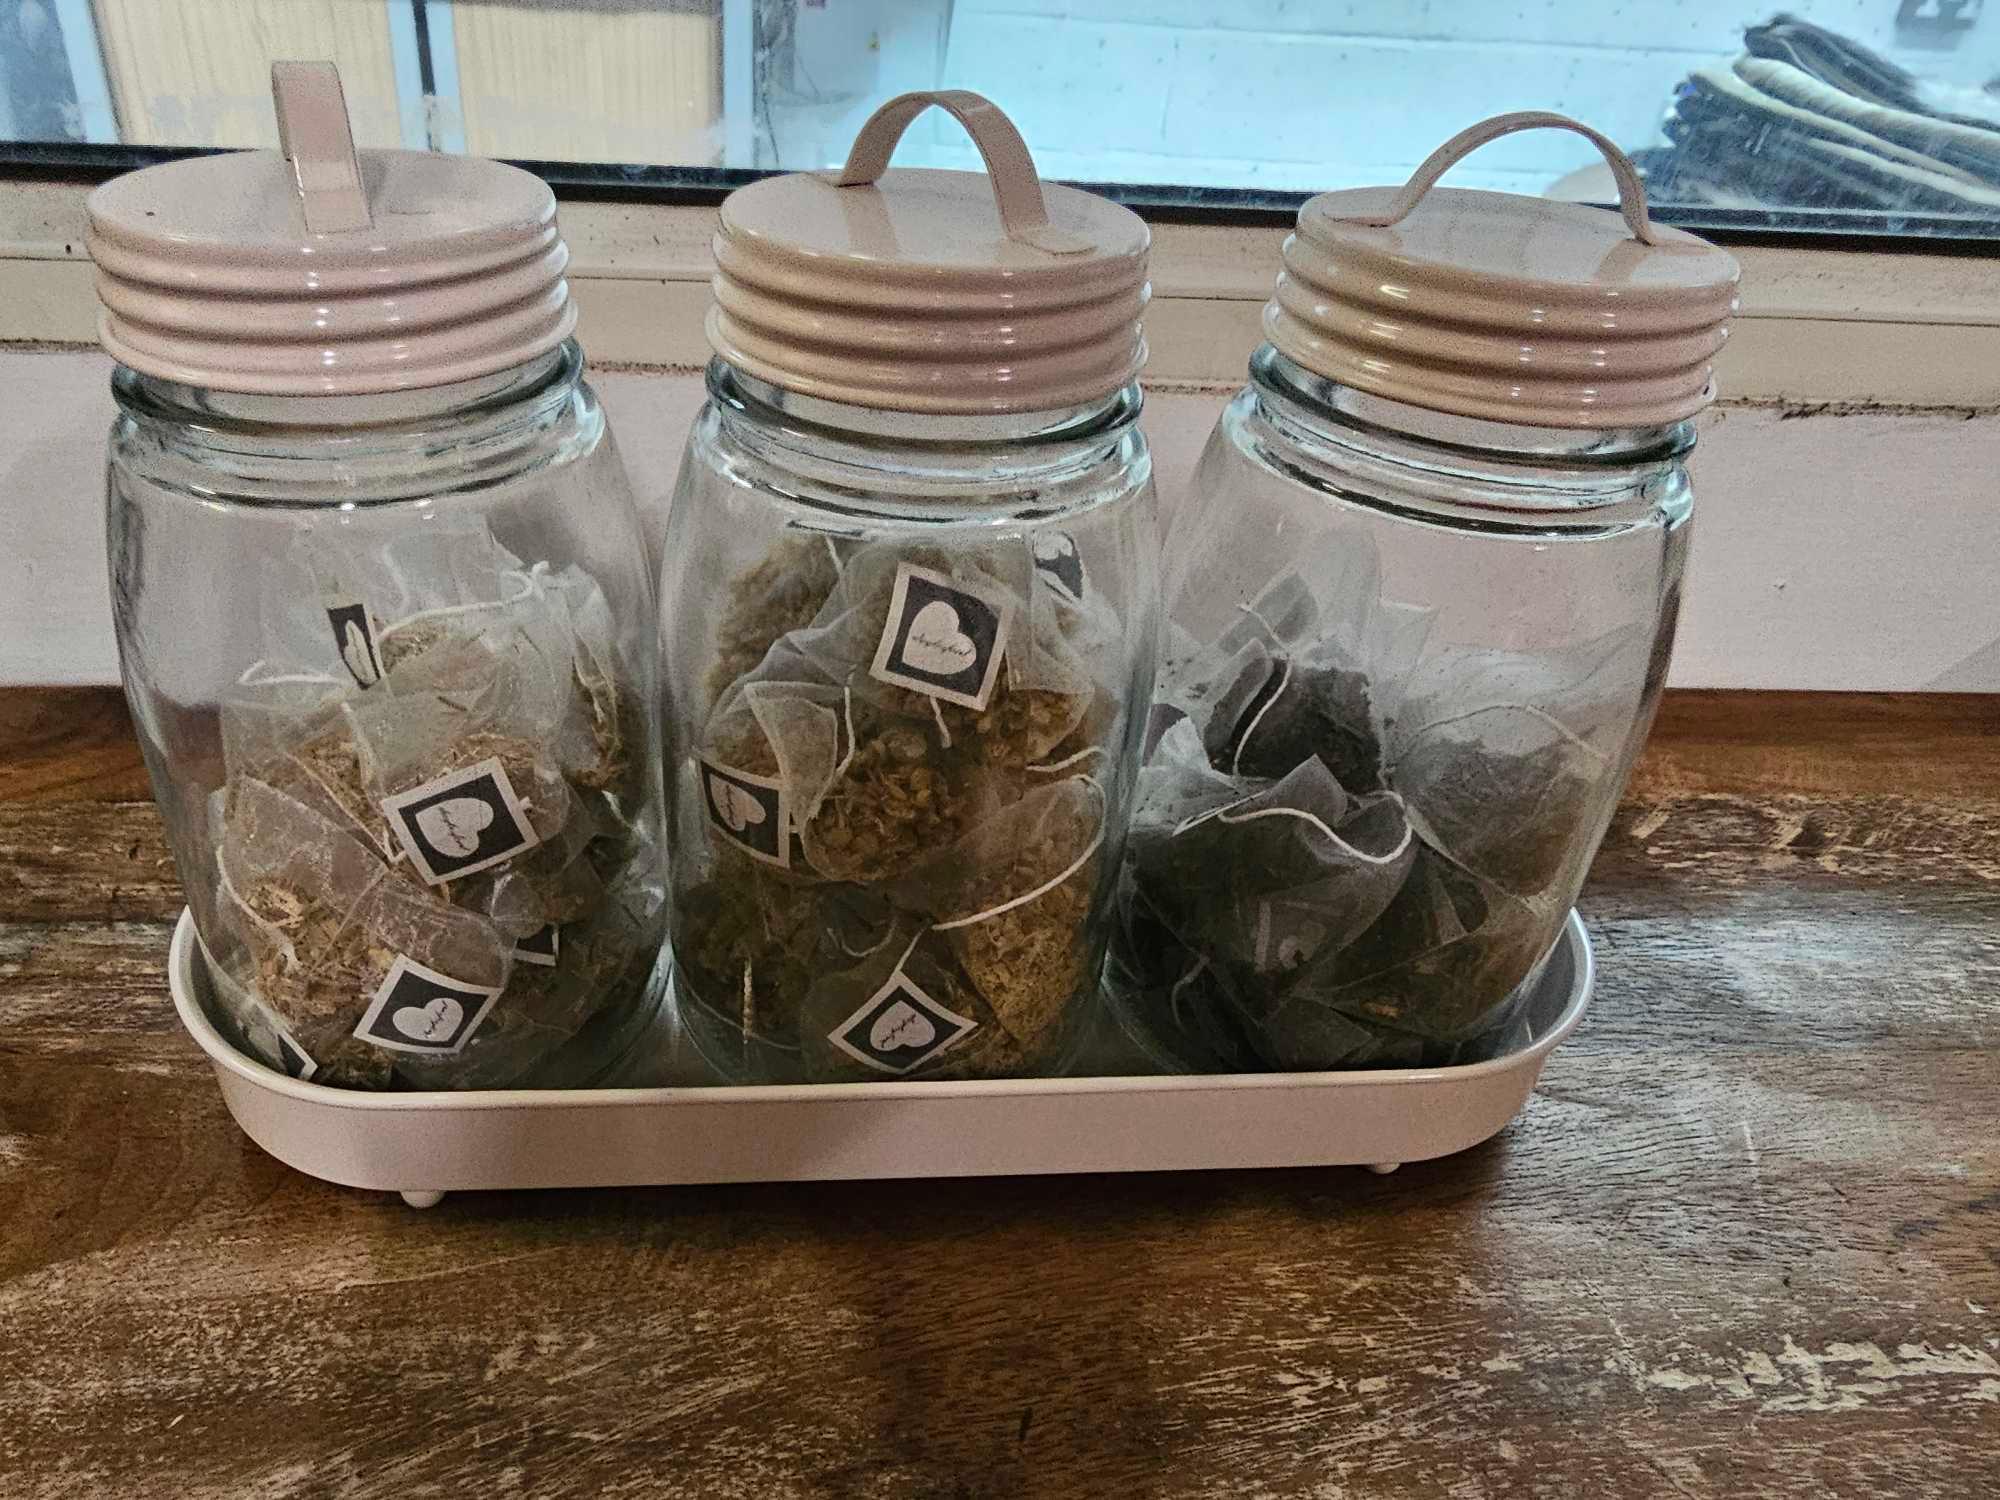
910,617
386,623
1420,603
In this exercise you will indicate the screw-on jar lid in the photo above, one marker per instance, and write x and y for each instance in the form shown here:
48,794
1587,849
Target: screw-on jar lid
1505,307
315,270
931,291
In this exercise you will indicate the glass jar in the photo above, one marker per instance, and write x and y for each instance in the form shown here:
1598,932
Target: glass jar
387,628
1419,617
910,622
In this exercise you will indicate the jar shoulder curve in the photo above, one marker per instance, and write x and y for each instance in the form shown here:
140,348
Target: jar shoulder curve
816,472
1303,453
307,452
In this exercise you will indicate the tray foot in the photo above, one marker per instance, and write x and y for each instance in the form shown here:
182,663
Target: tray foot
423,1199
1379,1168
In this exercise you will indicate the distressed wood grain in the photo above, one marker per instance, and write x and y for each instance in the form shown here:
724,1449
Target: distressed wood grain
1744,1241
68,744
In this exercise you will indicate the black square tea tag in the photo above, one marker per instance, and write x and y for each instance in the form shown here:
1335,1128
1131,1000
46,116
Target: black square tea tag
420,1010
942,638
543,946
354,640
294,1059
460,823
1060,564
752,812
900,1028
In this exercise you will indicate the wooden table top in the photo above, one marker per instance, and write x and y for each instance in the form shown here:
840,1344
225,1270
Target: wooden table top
1745,1240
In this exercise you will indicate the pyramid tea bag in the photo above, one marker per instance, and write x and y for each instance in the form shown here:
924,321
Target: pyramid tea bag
1014,898
340,945
1508,759
605,735
1443,962
783,592
1292,870
907,1010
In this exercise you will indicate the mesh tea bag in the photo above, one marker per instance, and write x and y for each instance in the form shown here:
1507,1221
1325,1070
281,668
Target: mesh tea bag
434,738
1294,870
1506,758
783,592
290,734
1443,962
1013,900
894,797
604,735
751,946
434,583
907,1010
1036,688
292,885
1177,1001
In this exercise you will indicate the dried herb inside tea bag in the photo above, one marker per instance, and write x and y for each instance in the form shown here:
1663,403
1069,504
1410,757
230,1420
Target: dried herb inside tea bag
1013,898
1441,962
1303,711
1290,871
894,799
292,885
304,750
751,945
784,592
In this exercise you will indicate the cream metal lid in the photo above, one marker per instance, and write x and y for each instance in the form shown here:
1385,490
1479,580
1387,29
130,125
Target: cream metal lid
931,291
315,270
1505,307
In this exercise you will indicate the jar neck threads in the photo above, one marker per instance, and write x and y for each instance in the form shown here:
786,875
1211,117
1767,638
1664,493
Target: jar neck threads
1448,468
903,463
318,450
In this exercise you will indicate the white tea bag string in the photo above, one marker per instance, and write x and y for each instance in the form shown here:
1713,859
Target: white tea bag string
1228,814
1243,739
1048,885
250,678
290,954
1174,994
1050,767
528,580
938,714
1520,708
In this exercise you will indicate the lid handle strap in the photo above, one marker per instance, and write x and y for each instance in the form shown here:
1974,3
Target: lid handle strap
1017,188
314,135
1631,191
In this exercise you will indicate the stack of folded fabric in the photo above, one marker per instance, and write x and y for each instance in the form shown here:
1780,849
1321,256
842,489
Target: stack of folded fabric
1806,119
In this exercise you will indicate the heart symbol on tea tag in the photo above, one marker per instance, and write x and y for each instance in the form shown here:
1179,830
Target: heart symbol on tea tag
737,808
453,826
429,1023
935,643
354,652
901,1026
1054,546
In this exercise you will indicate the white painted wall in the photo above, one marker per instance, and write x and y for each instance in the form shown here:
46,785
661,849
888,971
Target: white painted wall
1851,551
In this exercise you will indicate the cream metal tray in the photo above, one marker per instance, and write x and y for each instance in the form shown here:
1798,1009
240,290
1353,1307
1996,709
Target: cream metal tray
424,1145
